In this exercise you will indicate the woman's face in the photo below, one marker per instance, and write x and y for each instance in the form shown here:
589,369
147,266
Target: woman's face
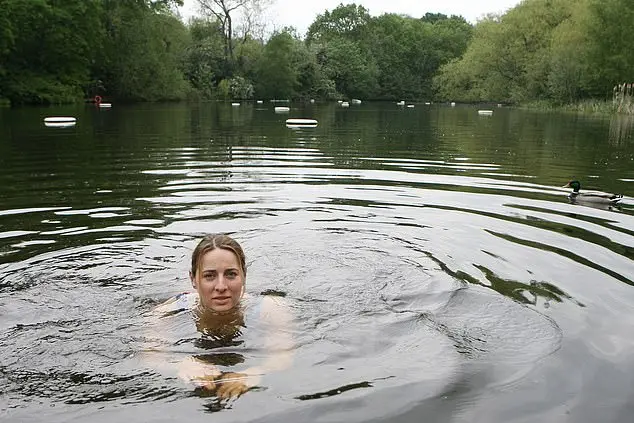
219,280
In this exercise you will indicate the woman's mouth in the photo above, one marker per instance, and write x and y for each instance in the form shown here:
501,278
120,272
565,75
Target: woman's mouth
221,298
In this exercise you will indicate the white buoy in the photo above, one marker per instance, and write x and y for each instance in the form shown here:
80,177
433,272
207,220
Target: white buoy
356,101
301,121
485,112
60,119
345,104
259,102
427,103
339,101
453,104
499,104
401,103
60,122
410,106
105,105
235,104
312,100
282,109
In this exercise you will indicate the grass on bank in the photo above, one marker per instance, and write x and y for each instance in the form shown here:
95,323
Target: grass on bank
607,107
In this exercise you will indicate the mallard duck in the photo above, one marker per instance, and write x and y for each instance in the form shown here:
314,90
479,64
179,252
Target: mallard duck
591,196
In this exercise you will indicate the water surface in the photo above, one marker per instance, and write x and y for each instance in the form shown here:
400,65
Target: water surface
433,264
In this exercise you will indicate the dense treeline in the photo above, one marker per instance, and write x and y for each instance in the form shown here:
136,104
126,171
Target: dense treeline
55,51
66,50
560,51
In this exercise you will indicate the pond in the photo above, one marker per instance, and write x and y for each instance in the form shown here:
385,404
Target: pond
433,264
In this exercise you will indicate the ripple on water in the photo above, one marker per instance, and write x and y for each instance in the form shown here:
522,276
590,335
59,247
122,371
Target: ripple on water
373,314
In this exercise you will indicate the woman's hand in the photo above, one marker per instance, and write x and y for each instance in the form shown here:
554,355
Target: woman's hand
231,385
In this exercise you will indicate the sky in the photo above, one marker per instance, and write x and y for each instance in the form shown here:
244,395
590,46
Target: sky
301,13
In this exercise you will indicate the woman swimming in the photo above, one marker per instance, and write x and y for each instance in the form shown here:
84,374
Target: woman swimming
218,274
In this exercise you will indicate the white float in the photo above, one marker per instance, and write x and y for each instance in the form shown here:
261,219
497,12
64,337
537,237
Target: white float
60,119
427,103
235,104
59,124
301,122
345,104
410,106
485,112
312,100
259,102
453,104
356,101
282,109
105,105
401,103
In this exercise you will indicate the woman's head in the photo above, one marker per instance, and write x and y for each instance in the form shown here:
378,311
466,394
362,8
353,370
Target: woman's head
218,272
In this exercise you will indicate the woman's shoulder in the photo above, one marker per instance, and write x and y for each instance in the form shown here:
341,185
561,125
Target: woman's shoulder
274,309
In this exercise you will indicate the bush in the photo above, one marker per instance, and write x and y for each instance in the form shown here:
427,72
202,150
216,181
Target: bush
39,89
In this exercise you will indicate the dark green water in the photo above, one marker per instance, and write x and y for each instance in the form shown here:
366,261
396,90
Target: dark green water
435,268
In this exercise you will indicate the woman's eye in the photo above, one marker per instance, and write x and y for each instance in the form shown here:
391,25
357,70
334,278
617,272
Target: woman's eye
209,275
232,275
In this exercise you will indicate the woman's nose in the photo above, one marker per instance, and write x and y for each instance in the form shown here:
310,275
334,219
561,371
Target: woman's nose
221,285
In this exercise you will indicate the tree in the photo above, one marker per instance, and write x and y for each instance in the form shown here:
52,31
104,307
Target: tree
145,56
47,48
223,11
277,76
348,21
353,71
510,56
204,63
568,75
610,51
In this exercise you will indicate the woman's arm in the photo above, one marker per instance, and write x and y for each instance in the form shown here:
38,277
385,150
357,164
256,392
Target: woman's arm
276,316
156,331
277,320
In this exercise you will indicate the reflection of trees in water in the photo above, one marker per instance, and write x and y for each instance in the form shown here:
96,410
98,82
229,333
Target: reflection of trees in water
526,293
621,129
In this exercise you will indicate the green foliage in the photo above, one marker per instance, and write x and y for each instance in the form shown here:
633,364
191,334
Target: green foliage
610,52
560,51
404,56
144,55
552,52
240,88
568,63
203,63
46,48
353,71
277,77
349,21
224,89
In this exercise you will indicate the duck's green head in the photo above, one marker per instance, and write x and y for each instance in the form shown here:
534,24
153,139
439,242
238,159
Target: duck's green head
575,185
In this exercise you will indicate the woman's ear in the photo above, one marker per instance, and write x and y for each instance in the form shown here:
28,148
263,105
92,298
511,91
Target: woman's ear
193,279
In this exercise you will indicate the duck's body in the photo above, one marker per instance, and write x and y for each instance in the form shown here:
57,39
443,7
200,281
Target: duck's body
591,196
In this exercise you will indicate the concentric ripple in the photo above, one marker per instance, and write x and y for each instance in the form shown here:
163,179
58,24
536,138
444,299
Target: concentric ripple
423,279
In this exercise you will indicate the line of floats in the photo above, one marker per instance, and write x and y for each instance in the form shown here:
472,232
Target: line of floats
69,121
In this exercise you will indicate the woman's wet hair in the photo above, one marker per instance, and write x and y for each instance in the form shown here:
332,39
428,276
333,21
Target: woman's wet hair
210,243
